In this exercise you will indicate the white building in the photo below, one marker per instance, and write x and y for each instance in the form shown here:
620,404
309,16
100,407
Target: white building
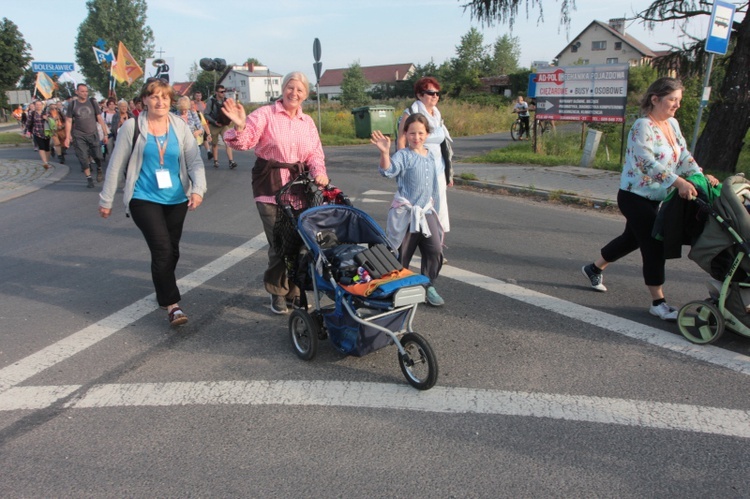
252,84
601,43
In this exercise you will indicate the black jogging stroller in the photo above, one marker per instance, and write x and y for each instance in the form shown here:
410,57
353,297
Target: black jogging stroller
335,244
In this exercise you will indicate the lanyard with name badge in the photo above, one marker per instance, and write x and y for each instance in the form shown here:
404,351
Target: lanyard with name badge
163,179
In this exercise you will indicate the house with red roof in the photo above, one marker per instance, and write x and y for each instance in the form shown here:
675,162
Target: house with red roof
330,81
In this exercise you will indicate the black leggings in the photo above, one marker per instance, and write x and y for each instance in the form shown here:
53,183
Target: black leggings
524,126
161,225
640,214
430,248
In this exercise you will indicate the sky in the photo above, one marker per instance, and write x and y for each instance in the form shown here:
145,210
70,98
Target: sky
280,33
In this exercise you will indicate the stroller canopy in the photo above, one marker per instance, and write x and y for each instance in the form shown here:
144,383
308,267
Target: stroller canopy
715,241
349,224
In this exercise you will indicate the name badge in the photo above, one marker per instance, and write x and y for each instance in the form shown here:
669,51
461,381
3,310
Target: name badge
163,179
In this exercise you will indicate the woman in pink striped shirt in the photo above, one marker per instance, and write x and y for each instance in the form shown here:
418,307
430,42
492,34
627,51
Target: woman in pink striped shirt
286,140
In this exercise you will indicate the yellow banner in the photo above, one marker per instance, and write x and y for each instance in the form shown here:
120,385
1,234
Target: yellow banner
125,69
44,84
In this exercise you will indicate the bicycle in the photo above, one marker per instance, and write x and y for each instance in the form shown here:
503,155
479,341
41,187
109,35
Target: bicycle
515,129
545,126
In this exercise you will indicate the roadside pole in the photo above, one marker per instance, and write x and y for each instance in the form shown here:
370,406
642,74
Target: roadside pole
717,42
317,66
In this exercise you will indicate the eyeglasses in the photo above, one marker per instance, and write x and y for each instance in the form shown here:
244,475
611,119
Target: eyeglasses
431,92
220,91
152,79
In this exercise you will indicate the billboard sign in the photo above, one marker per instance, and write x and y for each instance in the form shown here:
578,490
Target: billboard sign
596,93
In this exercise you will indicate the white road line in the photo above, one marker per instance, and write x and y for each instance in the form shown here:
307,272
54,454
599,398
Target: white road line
334,393
707,353
57,352
374,192
602,410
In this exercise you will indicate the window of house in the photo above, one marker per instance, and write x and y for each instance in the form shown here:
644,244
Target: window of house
584,62
242,82
611,60
618,45
574,48
599,45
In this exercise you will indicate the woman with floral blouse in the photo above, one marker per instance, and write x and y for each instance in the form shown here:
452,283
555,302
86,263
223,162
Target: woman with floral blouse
656,160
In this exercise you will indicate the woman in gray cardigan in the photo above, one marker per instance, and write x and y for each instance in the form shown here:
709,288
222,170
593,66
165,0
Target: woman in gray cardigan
164,178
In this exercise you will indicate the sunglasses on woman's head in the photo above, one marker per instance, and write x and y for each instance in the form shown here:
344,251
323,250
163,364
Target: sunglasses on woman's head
431,92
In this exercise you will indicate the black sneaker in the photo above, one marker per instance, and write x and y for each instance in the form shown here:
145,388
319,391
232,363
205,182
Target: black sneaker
90,182
295,303
210,155
232,165
595,279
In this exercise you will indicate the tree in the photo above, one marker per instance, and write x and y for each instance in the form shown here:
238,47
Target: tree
728,121
64,89
28,80
469,63
505,54
15,56
113,21
720,144
204,83
354,87
252,61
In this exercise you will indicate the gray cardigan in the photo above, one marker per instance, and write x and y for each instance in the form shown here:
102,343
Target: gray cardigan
192,171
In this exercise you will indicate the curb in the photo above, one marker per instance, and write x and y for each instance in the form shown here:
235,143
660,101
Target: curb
59,172
551,196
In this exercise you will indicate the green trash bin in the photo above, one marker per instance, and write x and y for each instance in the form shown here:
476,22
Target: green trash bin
367,119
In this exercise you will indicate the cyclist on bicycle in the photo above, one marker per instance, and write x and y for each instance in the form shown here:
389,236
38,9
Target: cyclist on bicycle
522,109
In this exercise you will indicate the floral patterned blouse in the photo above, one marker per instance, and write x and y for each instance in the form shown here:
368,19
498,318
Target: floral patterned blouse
651,164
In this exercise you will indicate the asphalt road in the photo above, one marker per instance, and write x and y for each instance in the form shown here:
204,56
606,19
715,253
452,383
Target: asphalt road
546,388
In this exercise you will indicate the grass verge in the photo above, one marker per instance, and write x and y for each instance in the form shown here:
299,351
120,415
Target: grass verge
13,138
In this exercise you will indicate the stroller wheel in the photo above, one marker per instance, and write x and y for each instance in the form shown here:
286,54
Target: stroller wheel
418,364
304,331
700,322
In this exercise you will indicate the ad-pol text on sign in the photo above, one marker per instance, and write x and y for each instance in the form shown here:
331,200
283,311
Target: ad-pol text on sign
582,93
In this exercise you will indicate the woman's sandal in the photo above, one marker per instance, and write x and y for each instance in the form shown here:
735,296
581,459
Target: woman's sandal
46,166
177,317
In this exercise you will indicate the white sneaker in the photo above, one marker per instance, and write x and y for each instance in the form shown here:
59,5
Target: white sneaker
663,312
595,279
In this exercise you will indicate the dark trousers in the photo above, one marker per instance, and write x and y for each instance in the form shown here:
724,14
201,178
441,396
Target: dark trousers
161,226
275,279
42,143
524,126
640,214
430,248
87,147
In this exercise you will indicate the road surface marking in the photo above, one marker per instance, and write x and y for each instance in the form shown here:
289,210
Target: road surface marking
335,393
602,410
707,353
67,347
